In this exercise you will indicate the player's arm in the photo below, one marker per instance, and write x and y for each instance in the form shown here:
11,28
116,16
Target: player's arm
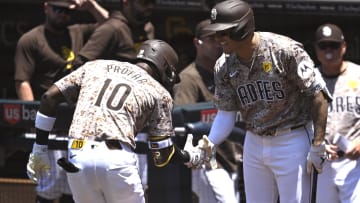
45,118
319,110
24,91
165,150
39,162
222,126
97,11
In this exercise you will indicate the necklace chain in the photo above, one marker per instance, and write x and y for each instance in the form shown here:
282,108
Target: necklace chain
257,45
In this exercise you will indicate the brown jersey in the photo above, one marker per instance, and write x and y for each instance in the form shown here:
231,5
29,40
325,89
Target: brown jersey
42,58
192,88
344,110
111,40
115,100
272,91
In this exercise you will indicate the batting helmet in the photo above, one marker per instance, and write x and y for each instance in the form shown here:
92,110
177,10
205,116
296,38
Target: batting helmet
233,14
163,59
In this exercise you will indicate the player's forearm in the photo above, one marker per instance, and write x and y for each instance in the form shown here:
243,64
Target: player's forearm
24,91
164,151
99,12
222,126
319,110
45,117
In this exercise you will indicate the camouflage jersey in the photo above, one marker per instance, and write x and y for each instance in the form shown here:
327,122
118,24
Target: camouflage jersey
115,100
273,90
344,110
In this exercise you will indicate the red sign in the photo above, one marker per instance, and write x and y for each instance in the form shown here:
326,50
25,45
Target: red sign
208,115
12,113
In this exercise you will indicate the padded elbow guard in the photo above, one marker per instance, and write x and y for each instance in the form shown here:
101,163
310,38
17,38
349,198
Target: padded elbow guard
161,149
164,150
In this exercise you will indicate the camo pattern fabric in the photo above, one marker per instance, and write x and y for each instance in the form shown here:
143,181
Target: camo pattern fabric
344,110
272,90
114,100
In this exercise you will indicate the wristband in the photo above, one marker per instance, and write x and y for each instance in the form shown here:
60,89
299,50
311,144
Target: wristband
44,122
160,144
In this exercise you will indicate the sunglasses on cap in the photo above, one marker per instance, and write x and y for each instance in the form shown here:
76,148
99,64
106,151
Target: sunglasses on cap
330,45
59,9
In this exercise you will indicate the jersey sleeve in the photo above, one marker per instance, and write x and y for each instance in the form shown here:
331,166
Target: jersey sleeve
24,59
102,40
225,97
303,71
70,85
160,122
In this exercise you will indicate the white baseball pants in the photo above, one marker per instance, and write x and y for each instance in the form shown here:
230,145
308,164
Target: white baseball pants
54,186
339,182
213,186
276,165
105,176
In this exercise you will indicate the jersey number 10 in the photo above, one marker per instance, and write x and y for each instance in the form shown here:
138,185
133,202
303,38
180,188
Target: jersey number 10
121,90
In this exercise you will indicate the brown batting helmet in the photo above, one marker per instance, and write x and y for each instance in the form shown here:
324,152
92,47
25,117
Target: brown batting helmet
163,59
233,14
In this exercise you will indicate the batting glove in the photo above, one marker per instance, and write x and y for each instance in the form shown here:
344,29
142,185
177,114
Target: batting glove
210,152
196,154
316,157
39,163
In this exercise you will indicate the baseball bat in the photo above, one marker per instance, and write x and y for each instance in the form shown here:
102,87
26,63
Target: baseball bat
314,185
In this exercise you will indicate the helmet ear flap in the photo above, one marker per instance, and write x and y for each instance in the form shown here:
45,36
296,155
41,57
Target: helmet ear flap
237,33
245,27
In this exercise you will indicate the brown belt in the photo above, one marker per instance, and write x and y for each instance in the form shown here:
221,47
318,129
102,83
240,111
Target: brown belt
113,144
273,132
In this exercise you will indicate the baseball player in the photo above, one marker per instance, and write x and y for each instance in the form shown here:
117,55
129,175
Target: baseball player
43,55
197,85
114,101
340,180
272,81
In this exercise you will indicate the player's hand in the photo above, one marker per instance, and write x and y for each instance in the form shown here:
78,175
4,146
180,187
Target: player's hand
39,163
83,4
332,151
354,152
210,152
196,154
316,157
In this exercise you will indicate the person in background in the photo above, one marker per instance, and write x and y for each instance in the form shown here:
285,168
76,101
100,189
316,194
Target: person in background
43,55
119,37
197,85
340,179
183,43
272,81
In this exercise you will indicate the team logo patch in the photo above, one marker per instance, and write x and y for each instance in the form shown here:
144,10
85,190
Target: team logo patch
353,84
326,31
267,66
213,14
305,69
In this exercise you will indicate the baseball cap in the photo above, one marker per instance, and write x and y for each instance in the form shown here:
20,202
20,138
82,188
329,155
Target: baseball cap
329,33
62,3
229,14
200,30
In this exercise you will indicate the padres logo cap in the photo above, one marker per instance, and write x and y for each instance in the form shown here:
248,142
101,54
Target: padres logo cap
329,33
